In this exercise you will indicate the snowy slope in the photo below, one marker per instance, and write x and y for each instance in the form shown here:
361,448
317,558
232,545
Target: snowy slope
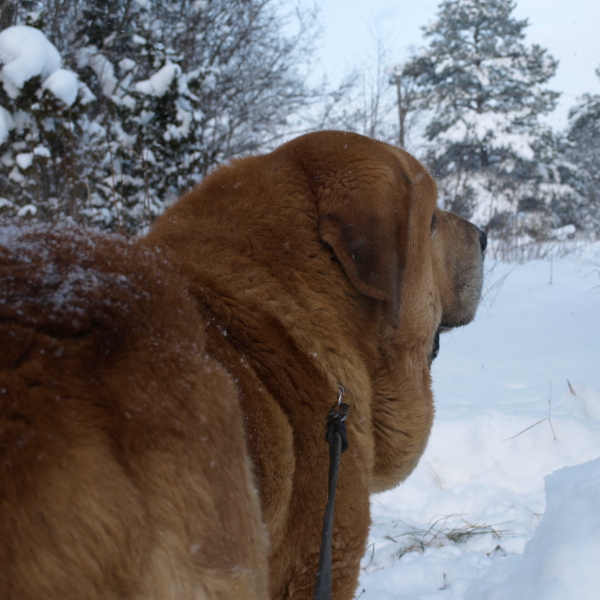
518,397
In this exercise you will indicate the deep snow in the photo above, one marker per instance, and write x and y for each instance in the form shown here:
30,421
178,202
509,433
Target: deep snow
518,399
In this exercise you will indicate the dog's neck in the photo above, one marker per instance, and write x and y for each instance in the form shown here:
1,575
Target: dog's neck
250,307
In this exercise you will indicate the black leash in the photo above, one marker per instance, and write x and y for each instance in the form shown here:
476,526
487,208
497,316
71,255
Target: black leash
338,444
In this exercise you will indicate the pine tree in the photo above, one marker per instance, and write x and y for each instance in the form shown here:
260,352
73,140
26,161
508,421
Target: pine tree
484,89
583,150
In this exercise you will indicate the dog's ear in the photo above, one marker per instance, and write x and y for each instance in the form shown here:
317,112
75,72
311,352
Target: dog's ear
366,225
365,192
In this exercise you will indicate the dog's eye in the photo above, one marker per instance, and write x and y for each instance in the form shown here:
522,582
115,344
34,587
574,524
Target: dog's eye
434,223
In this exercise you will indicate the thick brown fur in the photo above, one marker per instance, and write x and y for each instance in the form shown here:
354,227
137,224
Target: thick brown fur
324,262
313,266
123,466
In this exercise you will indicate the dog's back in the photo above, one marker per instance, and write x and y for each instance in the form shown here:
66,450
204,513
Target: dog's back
119,438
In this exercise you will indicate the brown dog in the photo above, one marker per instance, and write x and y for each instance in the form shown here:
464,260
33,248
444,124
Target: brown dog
125,473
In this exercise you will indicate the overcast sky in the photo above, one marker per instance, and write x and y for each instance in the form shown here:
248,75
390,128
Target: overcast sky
569,29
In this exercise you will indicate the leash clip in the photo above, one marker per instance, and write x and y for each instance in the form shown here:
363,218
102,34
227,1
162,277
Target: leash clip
338,411
335,420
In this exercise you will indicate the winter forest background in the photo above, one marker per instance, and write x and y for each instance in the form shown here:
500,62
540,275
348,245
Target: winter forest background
111,109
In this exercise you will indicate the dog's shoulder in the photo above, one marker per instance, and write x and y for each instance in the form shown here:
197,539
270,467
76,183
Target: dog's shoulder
77,305
87,321
111,415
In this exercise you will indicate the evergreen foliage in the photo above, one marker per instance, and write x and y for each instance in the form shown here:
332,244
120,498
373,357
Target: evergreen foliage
487,89
583,152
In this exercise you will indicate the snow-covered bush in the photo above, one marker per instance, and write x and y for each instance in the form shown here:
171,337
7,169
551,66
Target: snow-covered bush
41,107
153,98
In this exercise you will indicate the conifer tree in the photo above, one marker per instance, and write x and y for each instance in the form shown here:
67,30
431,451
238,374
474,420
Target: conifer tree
583,153
485,90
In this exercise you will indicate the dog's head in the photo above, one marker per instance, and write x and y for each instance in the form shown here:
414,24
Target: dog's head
377,213
421,266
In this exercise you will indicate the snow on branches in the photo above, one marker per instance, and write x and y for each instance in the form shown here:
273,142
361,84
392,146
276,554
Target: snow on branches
133,110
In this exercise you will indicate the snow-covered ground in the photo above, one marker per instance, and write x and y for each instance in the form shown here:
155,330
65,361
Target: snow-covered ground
505,502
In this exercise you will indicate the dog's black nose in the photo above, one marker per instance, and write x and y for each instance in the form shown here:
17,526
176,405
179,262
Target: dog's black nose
482,240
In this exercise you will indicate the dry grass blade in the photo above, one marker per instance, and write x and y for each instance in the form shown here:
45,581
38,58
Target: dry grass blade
524,430
548,418
550,412
440,533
